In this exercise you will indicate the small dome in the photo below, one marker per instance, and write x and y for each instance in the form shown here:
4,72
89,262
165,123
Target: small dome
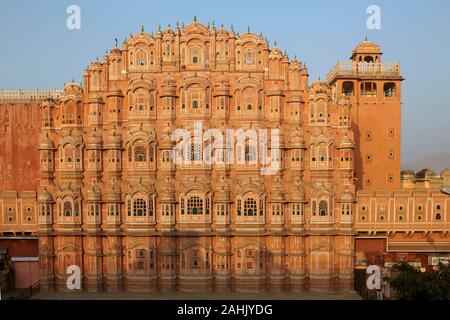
115,92
46,143
407,174
346,143
93,194
167,192
277,191
297,195
297,140
347,196
425,173
44,196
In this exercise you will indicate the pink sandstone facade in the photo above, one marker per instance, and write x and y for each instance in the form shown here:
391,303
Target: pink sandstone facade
90,172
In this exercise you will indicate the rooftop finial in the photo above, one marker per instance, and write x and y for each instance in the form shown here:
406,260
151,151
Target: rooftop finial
365,38
142,28
115,40
275,43
248,29
195,18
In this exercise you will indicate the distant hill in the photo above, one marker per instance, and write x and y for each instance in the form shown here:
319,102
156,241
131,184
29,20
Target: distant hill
436,162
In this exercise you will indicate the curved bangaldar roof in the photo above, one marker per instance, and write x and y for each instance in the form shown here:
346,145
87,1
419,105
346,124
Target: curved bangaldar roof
366,47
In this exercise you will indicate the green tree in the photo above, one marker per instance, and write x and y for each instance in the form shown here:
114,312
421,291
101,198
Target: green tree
412,284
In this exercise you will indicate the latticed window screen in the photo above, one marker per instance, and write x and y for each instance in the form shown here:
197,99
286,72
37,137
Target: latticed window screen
250,153
196,152
139,207
130,154
67,209
195,205
323,208
151,152
250,207
207,205
140,154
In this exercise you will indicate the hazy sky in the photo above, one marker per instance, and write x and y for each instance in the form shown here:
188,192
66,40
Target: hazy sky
37,51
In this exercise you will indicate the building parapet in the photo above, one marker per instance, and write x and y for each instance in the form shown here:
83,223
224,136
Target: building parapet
363,70
28,95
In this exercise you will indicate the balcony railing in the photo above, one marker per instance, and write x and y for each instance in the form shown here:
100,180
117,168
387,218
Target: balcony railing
28,95
364,69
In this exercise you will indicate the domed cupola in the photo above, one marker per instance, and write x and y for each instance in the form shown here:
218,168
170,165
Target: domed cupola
94,140
297,141
167,190
93,194
347,196
44,197
45,143
277,193
165,141
346,143
114,139
222,191
168,86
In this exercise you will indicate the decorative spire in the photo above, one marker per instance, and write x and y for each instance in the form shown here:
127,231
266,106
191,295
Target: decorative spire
142,29
195,18
365,38
248,29
115,40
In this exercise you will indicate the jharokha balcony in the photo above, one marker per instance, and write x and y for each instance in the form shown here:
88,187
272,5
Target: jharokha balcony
364,70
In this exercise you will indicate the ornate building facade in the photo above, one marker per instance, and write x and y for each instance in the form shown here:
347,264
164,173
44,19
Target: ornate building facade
97,182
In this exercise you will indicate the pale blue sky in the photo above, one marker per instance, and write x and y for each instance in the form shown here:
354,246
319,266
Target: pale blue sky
38,52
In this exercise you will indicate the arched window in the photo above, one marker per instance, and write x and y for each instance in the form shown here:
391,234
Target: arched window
389,89
196,151
195,205
438,216
140,154
250,207
368,59
141,58
139,208
249,57
347,88
369,89
250,153
323,208
195,54
67,209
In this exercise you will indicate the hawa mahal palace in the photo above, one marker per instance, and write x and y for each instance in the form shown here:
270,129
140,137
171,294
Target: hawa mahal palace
87,176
